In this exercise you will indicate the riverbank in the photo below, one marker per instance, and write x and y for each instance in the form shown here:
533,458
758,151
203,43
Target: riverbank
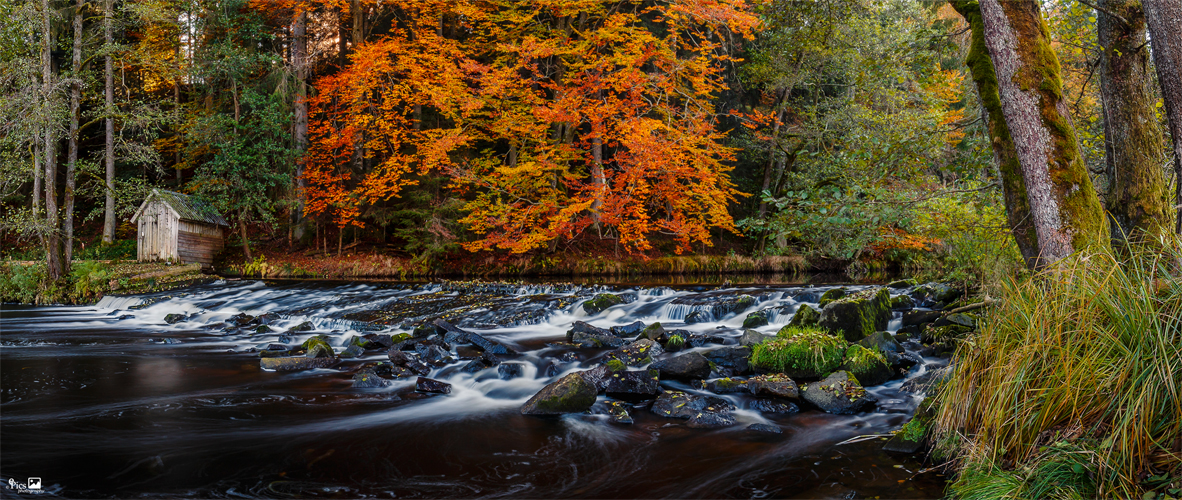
25,282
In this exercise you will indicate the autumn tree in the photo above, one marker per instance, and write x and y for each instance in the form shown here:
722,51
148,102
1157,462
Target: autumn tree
1164,18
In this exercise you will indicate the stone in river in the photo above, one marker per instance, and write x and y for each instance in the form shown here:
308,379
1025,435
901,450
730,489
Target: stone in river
569,394
425,384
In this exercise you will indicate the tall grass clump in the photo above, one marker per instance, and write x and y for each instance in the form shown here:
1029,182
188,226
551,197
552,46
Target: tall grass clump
1072,387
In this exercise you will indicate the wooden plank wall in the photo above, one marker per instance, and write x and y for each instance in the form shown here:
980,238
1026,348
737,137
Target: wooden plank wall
198,242
162,236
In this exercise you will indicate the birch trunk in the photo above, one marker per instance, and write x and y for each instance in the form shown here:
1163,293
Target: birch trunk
109,125
1064,208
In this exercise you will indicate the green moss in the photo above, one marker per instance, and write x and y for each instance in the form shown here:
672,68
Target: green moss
601,302
805,316
616,365
676,342
914,430
859,359
799,352
401,337
831,296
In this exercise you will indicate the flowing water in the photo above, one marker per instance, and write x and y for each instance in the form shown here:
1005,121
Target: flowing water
111,401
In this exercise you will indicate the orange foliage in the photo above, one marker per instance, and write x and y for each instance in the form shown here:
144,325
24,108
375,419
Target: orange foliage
553,116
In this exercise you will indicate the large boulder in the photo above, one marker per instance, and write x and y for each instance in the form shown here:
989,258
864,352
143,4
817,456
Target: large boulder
805,315
585,328
858,315
699,316
689,366
369,380
917,317
868,365
630,330
654,332
678,404
800,353
774,385
840,393
598,337
569,394
882,342
830,296
425,384
456,335
638,353
716,306
317,347
632,385
728,361
602,301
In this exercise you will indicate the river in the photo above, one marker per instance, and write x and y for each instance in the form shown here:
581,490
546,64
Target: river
112,401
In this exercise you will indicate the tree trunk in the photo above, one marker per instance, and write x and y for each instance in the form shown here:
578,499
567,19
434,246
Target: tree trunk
1165,23
109,124
53,244
245,240
1063,204
72,161
598,180
1137,196
38,190
176,95
298,59
770,168
1012,185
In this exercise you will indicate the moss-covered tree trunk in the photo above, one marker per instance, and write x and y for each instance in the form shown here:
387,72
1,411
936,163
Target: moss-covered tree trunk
1013,186
1165,32
1063,204
1138,197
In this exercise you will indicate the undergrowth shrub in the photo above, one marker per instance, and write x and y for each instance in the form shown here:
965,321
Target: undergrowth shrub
21,282
1072,387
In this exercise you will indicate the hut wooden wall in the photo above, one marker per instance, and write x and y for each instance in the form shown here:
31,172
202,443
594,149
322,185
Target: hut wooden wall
157,233
197,242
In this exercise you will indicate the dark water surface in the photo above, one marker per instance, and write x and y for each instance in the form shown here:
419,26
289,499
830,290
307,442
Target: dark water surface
99,406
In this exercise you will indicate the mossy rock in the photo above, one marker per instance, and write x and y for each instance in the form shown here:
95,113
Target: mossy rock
569,394
654,332
867,365
902,303
675,343
755,319
296,363
807,353
831,295
600,302
899,284
805,316
317,347
302,327
840,393
858,315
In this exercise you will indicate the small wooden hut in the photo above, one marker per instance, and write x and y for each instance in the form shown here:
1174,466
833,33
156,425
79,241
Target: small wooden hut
176,227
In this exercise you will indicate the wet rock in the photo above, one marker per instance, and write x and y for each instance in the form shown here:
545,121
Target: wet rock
630,330
765,428
509,371
654,332
286,339
902,303
487,360
366,380
710,420
569,357
384,369
619,412
868,365
426,330
410,362
602,301
807,297
805,316
882,342
675,343
293,363
432,353
353,351
687,366
317,347
919,317
717,306
733,360
456,335
262,329
752,337
425,384
589,336
773,406
242,319
174,318
830,296
934,293
840,393
587,328
598,376
678,404
961,319
638,353
268,318
381,340
755,319
925,381
723,385
903,360
774,385
569,394
700,340
697,317
857,315
899,443
302,327
901,284
634,385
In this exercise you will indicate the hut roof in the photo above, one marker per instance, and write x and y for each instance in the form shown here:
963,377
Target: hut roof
186,207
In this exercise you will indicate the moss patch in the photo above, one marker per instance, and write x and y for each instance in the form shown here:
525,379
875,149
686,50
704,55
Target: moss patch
799,353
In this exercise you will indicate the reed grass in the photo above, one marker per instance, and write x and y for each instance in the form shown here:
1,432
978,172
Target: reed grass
1072,386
